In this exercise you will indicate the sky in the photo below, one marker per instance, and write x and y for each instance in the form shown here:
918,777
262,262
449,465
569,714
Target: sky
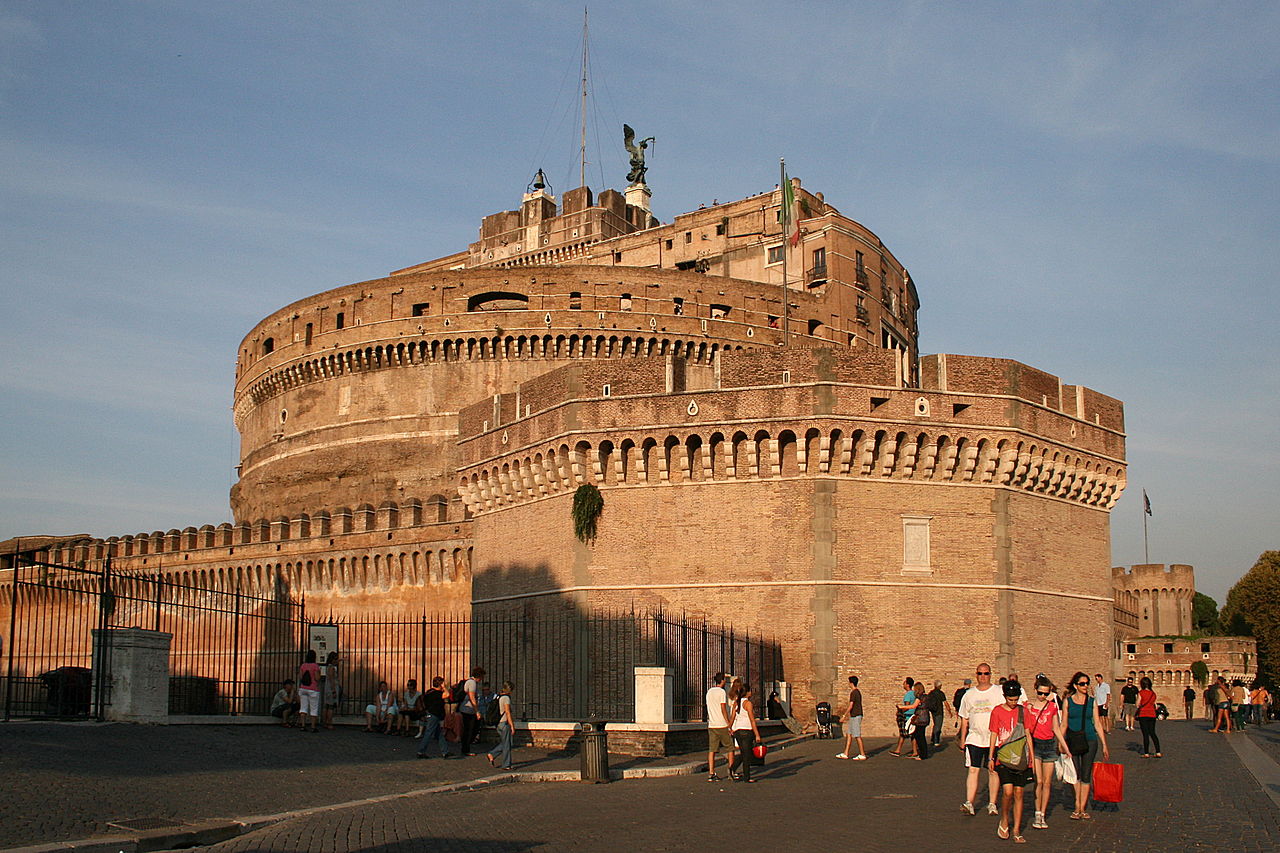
1089,188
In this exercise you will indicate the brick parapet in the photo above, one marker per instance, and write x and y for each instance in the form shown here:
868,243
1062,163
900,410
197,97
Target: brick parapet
829,429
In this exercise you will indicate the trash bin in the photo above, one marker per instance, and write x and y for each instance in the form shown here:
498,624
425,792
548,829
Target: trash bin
595,751
68,691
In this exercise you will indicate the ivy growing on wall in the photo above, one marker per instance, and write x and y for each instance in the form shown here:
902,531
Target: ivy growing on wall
587,506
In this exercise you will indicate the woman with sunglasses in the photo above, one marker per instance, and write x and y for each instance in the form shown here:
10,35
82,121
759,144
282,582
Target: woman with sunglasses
1046,741
1081,730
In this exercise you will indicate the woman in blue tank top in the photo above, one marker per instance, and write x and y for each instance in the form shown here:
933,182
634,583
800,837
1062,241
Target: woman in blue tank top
1082,730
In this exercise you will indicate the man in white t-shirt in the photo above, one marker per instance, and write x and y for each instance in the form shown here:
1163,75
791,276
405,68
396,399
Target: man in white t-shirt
718,734
1102,698
975,715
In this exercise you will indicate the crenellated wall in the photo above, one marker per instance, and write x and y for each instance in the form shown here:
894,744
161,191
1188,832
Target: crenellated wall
1161,596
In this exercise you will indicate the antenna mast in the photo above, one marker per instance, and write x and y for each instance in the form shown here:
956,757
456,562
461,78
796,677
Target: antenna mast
582,151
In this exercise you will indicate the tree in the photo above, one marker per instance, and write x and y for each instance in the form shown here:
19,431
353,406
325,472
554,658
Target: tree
1253,606
1200,672
1204,615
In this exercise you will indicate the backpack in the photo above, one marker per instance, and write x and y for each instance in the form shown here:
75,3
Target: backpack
306,678
1015,753
493,712
457,695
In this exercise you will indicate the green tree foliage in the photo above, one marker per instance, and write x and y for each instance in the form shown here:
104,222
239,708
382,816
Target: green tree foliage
1200,672
587,506
1253,607
1204,615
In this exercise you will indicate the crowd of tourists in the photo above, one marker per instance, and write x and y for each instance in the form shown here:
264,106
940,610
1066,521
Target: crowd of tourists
446,719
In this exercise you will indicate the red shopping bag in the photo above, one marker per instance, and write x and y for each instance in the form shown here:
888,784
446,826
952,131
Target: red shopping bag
1108,782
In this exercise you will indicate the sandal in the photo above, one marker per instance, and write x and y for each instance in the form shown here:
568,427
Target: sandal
1075,815
1085,816
1002,831
1018,839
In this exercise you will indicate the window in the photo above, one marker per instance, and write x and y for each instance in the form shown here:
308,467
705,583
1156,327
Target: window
421,309
688,236
678,307
307,338
719,312
575,301
775,254
340,320
773,321
668,244
624,304
268,345
814,326
722,228
1131,648
1204,647
820,258
1168,648
617,257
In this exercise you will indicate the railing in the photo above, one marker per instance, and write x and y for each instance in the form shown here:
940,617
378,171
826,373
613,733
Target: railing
230,651
816,275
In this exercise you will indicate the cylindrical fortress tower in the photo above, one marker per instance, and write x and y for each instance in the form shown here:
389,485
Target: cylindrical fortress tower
352,395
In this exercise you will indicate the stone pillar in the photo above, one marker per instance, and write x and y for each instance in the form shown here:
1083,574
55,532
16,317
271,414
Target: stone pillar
137,674
655,695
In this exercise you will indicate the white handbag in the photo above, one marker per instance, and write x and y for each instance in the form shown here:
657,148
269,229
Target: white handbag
1065,769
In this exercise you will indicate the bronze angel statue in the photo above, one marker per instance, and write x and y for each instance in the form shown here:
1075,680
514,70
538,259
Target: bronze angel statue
636,150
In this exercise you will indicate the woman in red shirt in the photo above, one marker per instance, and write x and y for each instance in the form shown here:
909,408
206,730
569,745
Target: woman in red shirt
1147,718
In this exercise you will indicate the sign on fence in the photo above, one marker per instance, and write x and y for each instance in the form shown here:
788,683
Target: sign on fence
322,639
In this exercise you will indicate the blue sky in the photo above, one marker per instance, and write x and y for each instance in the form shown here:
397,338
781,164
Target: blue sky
1090,188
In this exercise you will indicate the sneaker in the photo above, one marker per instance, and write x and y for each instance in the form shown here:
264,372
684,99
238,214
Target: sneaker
713,778
859,758
842,755
991,809
967,808
1039,822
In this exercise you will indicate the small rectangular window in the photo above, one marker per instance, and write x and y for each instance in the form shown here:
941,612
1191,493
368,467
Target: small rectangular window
617,257
606,391
421,309
1204,647
688,236
668,245
678,308
1131,648
719,312
575,301
340,320
1168,648
268,346
307,341
775,254
721,228
820,258
624,303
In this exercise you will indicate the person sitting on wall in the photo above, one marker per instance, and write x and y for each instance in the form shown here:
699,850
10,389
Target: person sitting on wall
285,704
380,714
411,708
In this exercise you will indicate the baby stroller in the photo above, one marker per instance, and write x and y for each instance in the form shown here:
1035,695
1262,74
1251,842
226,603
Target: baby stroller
824,720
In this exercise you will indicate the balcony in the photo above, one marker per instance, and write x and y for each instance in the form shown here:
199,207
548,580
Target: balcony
861,279
816,276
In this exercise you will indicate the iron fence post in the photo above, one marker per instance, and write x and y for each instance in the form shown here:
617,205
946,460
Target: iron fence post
159,598
235,654
13,624
106,605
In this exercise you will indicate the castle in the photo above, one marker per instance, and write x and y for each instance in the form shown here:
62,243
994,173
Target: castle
771,448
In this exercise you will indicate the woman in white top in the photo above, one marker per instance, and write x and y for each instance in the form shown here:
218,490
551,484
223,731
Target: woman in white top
745,731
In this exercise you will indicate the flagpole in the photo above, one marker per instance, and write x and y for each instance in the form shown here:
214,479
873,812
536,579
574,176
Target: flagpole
784,216
1146,510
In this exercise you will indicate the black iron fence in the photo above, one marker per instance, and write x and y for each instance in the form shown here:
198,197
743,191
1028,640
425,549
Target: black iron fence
231,650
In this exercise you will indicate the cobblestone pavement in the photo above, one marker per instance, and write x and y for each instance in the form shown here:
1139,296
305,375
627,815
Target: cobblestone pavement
1267,737
1198,797
66,781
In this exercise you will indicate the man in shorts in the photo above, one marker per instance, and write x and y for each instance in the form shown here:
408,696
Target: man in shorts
718,735
1128,704
853,722
1101,698
975,734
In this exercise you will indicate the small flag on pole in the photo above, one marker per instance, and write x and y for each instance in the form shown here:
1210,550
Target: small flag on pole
1146,502
789,219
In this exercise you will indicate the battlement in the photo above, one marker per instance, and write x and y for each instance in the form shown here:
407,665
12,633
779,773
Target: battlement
786,414
1155,574
411,520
